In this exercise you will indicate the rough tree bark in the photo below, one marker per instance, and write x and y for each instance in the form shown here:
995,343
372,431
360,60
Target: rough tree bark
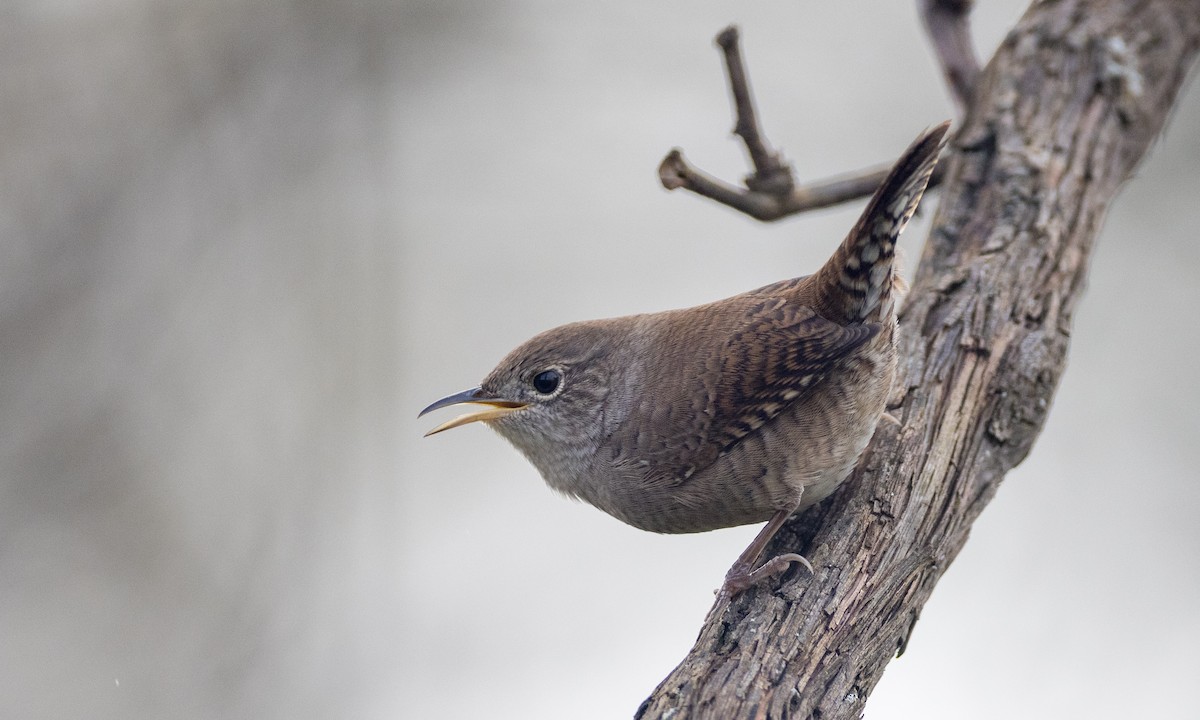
1058,120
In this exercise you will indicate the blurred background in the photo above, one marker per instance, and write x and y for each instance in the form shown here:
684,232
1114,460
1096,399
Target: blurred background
244,243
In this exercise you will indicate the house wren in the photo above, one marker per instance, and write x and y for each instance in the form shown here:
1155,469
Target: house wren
739,411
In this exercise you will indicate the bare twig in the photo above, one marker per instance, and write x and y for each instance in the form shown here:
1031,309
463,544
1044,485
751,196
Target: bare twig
771,174
675,172
771,192
946,22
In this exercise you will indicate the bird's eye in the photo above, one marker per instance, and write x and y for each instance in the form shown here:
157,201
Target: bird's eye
546,382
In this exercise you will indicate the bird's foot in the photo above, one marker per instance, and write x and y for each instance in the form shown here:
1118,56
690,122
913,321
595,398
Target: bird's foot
741,576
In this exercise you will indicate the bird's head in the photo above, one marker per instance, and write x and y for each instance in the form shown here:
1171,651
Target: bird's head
549,397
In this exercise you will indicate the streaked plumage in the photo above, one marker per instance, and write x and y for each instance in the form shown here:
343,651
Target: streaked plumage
722,414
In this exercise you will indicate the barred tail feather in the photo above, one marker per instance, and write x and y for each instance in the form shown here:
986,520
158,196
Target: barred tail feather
857,280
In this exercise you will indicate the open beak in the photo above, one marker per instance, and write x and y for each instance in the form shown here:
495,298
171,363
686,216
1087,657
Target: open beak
493,408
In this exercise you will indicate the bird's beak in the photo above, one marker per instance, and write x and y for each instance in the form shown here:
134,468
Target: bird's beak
493,408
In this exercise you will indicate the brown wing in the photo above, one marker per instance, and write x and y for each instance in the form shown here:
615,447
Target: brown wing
774,354
782,353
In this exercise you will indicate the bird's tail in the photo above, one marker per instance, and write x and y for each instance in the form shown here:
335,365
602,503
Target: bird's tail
857,281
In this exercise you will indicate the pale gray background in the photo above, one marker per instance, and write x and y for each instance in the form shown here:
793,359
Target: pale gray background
243,243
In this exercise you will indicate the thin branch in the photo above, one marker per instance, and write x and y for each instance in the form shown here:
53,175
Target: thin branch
946,22
771,174
771,192
676,172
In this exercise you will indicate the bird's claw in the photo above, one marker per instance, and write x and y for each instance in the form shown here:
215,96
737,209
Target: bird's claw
740,577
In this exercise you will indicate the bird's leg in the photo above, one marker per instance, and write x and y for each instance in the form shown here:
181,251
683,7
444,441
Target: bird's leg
743,573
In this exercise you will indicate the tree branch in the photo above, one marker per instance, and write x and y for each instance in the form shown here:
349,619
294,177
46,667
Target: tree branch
946,22
1057,122
676,172
771,192
771,174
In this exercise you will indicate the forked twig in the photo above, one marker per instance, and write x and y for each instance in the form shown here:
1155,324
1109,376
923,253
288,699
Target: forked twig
771,192
771,173
676,172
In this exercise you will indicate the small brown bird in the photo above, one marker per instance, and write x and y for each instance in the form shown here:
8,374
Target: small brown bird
739,411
